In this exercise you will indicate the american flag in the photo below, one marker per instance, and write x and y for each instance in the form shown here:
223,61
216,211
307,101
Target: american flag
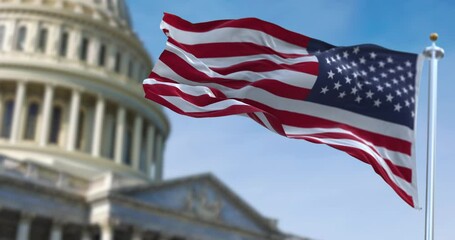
358,99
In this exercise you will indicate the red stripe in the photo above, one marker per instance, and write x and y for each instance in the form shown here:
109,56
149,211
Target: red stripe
230,49
267,65
400,171
307,121
187,71
232,110
248,23
367,158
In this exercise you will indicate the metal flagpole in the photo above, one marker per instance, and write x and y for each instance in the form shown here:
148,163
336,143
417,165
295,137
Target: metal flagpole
433,53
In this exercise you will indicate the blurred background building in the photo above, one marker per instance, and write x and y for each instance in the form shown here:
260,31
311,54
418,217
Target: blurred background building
81,149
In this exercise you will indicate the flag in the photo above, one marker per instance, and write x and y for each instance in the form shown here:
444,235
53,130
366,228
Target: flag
358,99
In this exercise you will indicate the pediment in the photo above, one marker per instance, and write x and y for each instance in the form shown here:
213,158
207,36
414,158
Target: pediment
205,198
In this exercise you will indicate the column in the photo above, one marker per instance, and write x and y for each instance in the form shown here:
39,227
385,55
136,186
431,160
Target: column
18,105
23,228
150,142
136,235
119,134
98,126
46,117
93,50
159,158
74,45
53,44
107,232
74,120
32,33
137,136
56,231
85,235
10,30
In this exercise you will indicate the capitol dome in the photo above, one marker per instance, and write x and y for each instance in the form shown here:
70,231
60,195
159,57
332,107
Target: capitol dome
71,96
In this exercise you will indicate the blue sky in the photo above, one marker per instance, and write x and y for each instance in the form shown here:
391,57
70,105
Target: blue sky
311,189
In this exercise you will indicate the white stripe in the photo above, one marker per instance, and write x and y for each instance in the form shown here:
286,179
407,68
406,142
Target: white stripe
298,79
404,185
189,107
397,158
264,120
191,90
229,61
228,34
302,107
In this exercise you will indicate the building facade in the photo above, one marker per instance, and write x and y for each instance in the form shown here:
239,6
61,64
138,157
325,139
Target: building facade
81,149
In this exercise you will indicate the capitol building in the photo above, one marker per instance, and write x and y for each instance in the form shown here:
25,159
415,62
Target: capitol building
81,149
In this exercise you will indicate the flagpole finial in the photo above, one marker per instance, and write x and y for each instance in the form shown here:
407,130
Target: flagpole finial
434,37
439,52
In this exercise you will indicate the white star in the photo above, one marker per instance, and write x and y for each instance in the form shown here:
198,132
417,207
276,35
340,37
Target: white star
354,90
391,70
410,87
358,99
413,100
348,80
333,59
345,54
338,57
398,92
389,60
384,75
331,74
388,84
377,103
339,69
370,94
375,79
372,69
359,85
413,114
354,64
405,90
372,55
363,73
356,50
328,60
389,97
395,81
342,94
408,64
399,68
362,60
381,64
410,75
337,85
407,103
397,107
324,90
355,74
380,88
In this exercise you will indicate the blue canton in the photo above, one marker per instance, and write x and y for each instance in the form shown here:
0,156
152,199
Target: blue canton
368,80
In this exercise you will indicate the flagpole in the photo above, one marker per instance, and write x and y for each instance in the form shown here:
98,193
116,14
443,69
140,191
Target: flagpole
433,53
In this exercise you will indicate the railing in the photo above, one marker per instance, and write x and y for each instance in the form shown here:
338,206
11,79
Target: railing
48,176
43,175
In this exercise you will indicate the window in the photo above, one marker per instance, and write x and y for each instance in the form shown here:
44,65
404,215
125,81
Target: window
84,49
102,55
7,119
80,130
20,40
42,40
118,62
30,123
130,68
63,49
127,146
2,36
56,124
